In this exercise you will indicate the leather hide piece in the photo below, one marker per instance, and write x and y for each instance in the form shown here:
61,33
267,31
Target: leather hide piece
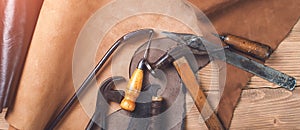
267,22
46,83
18,20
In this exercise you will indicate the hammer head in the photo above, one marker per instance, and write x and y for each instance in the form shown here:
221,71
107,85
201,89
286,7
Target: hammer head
147,93
190,40
108,92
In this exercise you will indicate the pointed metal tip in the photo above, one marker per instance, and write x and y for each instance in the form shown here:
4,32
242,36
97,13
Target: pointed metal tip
291,83
175,35
168,34
217,35
179,37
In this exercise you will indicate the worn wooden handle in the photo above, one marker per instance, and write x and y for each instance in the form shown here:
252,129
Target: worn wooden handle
133,90
184,70
255,49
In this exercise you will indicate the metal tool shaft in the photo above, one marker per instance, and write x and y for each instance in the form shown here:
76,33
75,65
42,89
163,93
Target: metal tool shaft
136,81
52,124
255,68
260,70
148,46
236,60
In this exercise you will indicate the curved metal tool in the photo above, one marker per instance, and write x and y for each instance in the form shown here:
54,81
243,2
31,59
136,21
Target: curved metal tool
91,76
106,94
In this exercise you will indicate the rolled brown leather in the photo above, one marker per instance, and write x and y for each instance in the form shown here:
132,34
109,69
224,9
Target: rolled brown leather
47,75
17,22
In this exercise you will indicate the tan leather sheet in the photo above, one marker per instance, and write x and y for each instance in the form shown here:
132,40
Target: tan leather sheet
46,83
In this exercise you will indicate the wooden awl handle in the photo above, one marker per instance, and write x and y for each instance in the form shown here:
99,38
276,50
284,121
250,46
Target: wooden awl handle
133,88
252,48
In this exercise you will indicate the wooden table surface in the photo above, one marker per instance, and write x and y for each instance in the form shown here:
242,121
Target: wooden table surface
262,104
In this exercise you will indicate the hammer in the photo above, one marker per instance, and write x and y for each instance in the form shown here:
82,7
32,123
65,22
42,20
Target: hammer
180,57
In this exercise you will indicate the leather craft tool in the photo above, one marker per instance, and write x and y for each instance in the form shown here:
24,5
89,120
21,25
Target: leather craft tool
252,48
139,118
175,53
91,76
236,60
172,89
135,83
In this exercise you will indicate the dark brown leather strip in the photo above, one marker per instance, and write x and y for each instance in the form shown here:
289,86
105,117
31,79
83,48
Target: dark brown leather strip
18,20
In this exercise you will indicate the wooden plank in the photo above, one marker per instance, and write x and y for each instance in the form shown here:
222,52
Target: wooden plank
268,109
207,77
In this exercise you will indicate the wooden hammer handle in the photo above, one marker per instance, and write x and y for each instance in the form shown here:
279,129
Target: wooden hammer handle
187,76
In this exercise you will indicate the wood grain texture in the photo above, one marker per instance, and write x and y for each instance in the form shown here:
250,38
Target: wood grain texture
261,108
273,108
189,79
268,109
